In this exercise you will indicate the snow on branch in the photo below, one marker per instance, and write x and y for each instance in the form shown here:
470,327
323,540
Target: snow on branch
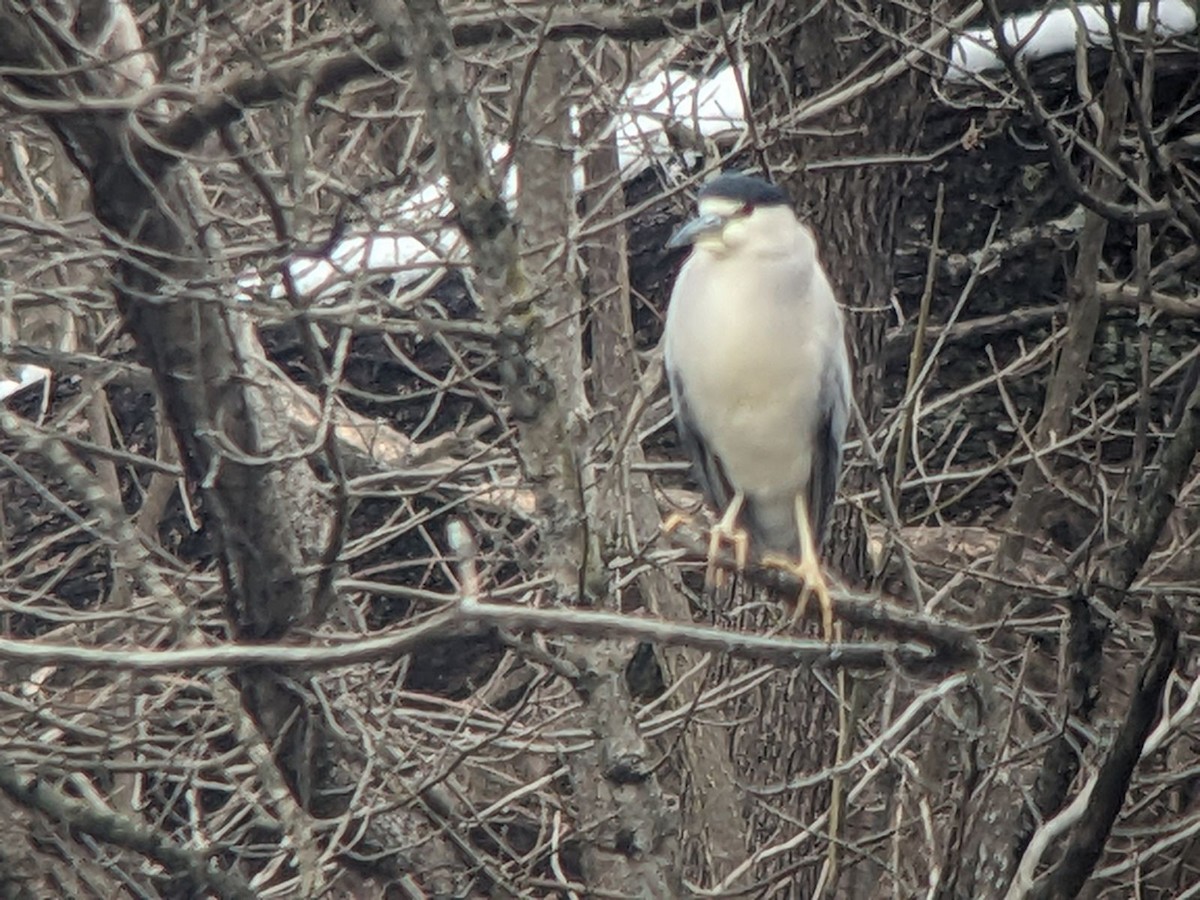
1049,32
654,111
650,115
655,120
21,377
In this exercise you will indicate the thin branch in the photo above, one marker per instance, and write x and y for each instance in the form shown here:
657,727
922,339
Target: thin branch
1095,201
1160,498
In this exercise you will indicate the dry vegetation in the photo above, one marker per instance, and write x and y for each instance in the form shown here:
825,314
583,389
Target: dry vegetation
361,591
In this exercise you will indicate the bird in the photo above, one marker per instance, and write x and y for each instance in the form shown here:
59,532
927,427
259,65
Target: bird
759,377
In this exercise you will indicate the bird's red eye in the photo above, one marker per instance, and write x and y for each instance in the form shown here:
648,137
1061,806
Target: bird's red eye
746,209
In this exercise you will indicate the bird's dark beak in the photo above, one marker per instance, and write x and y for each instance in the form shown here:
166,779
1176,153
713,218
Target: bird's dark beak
690,232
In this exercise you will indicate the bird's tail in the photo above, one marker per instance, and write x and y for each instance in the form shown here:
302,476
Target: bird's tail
772,525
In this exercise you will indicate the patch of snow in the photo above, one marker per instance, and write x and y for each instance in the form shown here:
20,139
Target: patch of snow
1037,35
423,240
426,244
23,377
702,108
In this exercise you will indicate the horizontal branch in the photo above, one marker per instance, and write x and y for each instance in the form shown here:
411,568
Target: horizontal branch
231,656
228,101
944,646
1113,295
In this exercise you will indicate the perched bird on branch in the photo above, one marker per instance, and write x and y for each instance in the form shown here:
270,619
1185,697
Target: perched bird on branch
760,380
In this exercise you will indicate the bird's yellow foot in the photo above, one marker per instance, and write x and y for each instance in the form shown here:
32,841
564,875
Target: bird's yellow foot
726,529
808,571
673,521
723,531
729,533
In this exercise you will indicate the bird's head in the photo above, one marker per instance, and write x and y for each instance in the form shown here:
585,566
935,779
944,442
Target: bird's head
738,212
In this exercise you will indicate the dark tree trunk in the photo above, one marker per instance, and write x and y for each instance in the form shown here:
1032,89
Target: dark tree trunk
853,210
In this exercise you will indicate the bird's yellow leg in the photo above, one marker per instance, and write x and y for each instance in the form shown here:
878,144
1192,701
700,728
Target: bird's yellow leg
808,570
673,521
726,530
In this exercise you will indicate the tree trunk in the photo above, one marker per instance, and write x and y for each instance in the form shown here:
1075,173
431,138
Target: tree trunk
853,210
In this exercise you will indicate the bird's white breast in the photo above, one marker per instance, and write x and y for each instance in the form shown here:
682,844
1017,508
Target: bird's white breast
748,341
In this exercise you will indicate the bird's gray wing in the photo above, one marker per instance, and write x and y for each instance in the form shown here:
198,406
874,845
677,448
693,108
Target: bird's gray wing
833,402
706,467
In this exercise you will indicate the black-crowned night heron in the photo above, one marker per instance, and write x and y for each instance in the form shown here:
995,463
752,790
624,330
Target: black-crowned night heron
756,359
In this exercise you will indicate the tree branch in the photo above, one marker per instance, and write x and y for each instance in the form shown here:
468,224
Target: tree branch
32,792
228,102
919,645
1160,498
626,824
1097,199
1107,791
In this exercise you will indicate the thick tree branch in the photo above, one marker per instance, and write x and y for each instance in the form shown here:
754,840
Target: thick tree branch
1106,794
1160,498
1083,302
919,646
629,838
202,355
228,102
198,873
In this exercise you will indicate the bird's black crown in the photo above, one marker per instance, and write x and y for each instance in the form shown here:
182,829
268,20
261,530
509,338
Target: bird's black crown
747,189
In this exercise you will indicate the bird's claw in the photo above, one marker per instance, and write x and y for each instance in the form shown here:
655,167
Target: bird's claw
808,571
726,529
721,532
673,521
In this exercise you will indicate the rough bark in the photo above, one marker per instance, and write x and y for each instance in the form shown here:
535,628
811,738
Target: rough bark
713,827
853,210
1083,316
1084,648
196,348
537,778
275,526
270,520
